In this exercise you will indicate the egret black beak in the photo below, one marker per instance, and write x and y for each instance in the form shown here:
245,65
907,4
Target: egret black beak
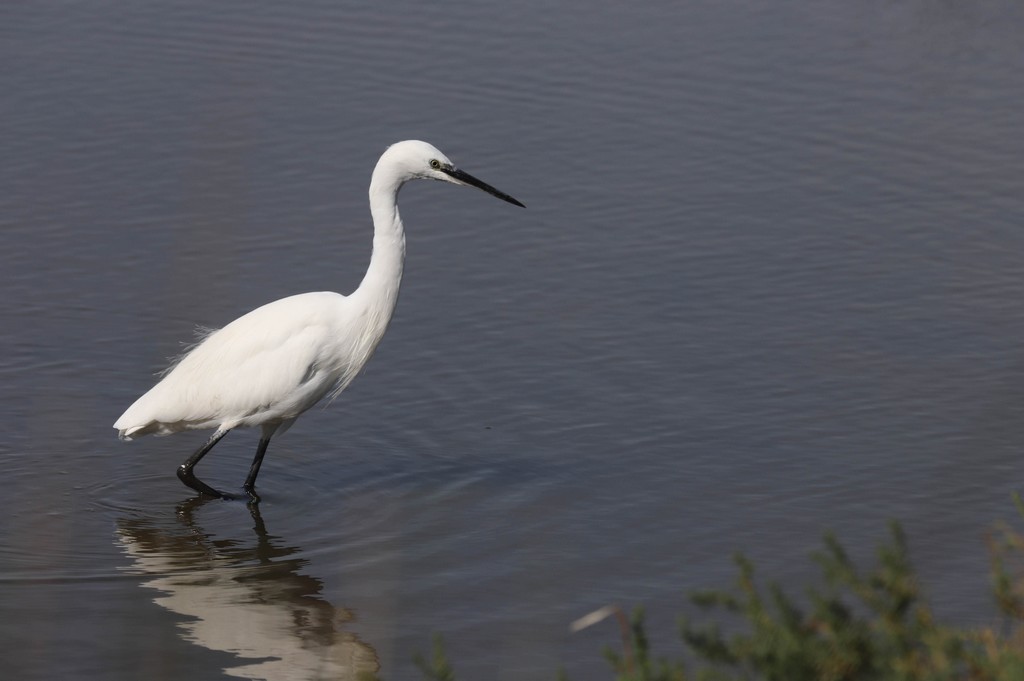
465,178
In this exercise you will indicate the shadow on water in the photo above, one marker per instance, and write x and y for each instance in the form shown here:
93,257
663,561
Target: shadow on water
245,596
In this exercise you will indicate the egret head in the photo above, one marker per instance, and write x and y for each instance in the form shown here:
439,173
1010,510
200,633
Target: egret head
414,159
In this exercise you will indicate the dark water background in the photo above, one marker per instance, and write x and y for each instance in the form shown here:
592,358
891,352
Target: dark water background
770,282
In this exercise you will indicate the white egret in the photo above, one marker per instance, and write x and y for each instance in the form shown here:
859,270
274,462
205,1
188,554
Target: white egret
269,366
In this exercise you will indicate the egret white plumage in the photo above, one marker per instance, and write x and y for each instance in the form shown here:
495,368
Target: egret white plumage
269,366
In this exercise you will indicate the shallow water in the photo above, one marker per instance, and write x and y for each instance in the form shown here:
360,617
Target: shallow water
768,283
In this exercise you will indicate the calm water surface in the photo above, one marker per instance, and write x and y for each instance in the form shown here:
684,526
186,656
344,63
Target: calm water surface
770,282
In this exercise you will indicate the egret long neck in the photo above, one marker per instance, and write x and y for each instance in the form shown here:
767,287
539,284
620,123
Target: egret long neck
380,285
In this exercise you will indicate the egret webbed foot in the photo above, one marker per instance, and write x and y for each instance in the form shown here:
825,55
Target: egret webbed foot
186,475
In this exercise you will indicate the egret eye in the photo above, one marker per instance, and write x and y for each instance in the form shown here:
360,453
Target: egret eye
435,164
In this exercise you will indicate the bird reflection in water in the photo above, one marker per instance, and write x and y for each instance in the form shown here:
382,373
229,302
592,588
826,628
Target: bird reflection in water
248,598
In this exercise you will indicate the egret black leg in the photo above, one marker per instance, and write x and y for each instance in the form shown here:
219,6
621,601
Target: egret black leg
186,475
250,481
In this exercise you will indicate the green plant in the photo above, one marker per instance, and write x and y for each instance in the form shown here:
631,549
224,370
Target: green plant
859,625
872,625
437,668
